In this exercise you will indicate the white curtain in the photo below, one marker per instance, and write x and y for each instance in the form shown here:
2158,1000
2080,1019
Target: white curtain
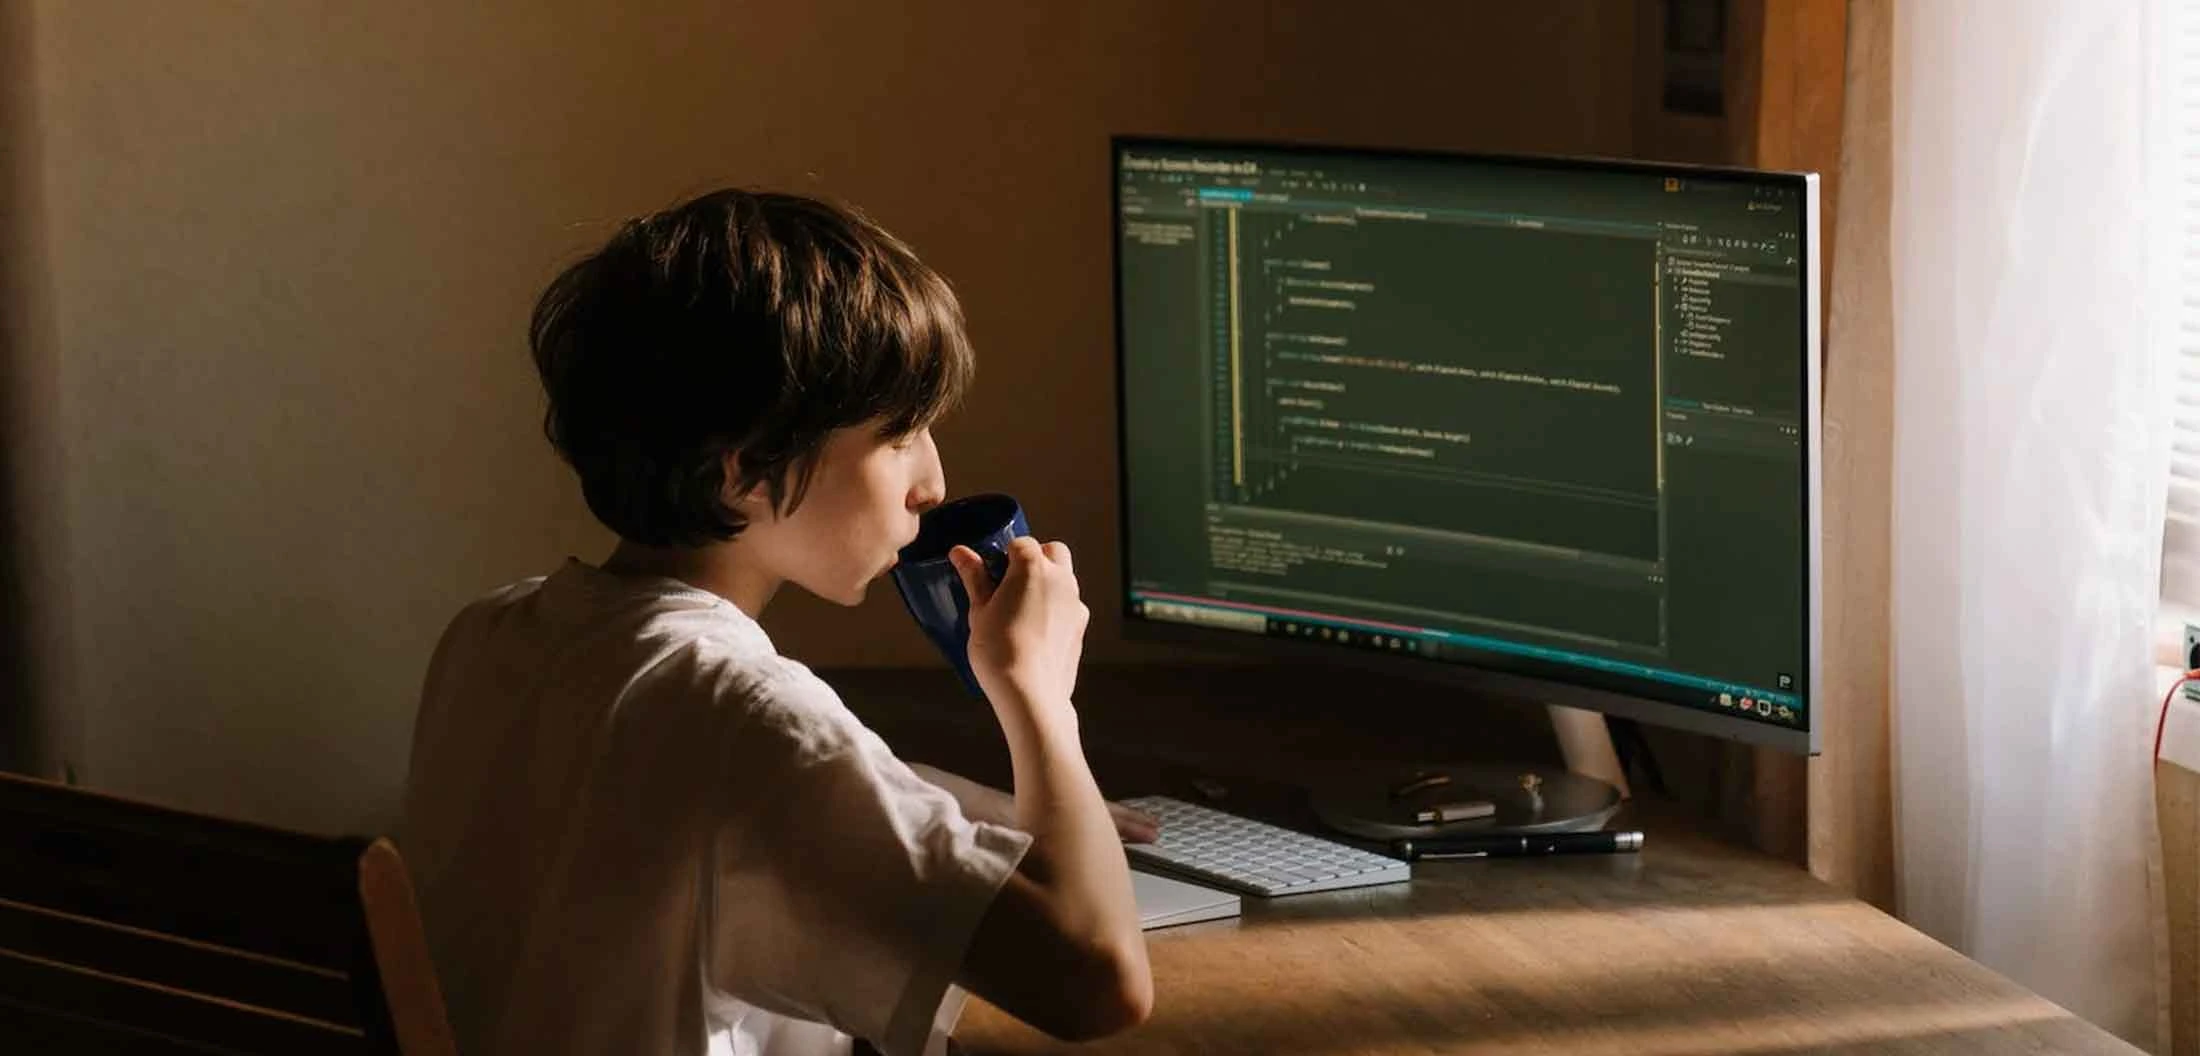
2030,450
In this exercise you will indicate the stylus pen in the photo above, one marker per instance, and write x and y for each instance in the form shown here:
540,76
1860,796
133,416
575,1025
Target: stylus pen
1518,846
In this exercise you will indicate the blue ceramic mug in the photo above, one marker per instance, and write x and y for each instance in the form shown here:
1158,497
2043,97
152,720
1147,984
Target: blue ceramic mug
928,582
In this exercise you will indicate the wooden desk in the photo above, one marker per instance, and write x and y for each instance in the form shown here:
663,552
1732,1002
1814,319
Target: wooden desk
1693,947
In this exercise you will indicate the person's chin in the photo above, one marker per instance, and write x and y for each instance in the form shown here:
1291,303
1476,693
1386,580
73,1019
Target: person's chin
854,596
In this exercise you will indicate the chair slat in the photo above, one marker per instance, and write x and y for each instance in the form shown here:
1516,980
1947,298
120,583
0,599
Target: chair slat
50,1033
224,1027
284,986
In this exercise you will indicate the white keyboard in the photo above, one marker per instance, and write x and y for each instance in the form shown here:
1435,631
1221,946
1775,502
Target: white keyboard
1253,857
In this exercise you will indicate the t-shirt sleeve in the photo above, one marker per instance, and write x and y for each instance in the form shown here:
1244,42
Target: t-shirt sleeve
847,888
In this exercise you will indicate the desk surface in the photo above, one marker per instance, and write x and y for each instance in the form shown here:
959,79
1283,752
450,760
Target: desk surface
1694,946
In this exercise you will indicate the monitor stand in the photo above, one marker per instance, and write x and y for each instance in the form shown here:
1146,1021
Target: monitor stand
1519,798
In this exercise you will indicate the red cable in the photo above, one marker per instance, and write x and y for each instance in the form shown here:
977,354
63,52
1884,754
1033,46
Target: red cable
2163,721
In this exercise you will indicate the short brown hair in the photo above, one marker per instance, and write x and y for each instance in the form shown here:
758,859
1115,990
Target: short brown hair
740,322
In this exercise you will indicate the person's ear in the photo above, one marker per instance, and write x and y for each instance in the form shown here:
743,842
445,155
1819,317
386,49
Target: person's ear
752,504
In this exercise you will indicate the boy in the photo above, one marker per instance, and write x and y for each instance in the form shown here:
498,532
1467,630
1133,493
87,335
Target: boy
635,828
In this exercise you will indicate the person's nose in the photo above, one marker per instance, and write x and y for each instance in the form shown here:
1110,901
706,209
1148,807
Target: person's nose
931,487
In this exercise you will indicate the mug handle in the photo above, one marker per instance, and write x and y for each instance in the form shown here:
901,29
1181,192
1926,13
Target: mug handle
996,561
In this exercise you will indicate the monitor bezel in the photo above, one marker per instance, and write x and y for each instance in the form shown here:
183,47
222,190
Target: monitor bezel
1668,709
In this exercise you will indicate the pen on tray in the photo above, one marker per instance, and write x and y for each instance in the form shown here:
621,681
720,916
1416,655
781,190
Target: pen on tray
1517,846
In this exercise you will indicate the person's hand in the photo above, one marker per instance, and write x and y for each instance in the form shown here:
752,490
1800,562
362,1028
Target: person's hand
1027,632
1134,825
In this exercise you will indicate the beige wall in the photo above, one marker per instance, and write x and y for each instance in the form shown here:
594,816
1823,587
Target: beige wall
289,249
22,739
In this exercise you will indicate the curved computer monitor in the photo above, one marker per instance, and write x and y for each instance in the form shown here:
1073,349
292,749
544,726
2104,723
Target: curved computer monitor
1527,424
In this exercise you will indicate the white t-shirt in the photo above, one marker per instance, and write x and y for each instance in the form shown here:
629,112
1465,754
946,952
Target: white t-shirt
635,828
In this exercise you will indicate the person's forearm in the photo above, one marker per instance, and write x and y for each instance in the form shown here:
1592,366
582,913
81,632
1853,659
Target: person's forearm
1075,846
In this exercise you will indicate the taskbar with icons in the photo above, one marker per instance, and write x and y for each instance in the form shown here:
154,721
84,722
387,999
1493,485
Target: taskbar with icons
1778,706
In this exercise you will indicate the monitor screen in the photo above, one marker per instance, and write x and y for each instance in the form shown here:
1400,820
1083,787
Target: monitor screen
1550,418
